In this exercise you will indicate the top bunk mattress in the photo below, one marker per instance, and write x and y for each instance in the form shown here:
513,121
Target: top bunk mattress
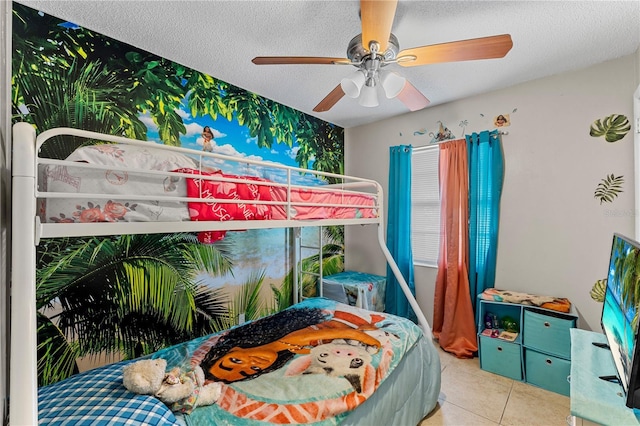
144,182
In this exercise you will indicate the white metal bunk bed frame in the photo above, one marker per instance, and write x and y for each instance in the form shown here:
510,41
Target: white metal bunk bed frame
27,230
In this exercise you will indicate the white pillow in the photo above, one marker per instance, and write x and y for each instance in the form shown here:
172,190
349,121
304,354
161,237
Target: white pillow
133,156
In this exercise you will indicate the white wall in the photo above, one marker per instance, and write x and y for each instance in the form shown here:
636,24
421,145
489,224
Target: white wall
5,97
638,66
554,236
636,144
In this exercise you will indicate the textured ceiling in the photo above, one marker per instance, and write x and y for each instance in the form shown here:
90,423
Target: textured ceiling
221,37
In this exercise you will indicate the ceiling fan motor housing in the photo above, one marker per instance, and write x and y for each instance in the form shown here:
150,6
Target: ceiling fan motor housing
356,52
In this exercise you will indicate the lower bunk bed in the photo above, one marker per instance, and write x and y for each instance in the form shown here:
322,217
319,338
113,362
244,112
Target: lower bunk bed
318,362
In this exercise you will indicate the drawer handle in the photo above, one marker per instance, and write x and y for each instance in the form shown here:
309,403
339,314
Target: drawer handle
547,324
548,361
499,348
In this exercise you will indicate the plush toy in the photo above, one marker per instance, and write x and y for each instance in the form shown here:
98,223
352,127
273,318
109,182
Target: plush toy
181,391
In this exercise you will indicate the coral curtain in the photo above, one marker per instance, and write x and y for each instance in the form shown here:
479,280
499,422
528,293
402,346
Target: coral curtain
399,230
486,174
453,317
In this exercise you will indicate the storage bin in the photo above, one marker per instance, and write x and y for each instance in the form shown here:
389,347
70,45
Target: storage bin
547,371
500,357
548,333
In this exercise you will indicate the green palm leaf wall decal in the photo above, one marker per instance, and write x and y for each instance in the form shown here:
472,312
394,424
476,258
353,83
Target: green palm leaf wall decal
598,290
613,127
609,188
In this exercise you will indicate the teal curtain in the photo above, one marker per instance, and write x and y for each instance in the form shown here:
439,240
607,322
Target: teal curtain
486,174
399,230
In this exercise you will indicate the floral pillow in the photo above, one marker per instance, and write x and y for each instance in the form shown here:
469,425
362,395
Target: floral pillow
133,157
123,184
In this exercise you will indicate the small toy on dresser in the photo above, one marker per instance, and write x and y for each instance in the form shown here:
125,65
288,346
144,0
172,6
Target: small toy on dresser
492,325
181,391
509,336
505,328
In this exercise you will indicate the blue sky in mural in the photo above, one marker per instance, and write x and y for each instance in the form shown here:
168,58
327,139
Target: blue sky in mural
234,140
230,137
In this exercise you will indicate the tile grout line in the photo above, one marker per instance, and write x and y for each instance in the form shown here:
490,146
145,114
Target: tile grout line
504,409
471,412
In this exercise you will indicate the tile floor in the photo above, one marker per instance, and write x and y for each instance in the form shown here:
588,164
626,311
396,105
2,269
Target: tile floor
471,396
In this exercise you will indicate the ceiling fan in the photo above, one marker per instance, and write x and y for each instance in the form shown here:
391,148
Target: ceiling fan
376,47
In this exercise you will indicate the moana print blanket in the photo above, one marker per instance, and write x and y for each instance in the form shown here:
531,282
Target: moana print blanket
310,364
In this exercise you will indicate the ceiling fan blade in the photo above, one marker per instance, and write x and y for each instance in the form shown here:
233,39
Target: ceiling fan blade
377,19
412,98
330,100
463,50
298,60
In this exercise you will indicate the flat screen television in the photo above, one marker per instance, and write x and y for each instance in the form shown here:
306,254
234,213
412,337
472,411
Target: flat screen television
619,315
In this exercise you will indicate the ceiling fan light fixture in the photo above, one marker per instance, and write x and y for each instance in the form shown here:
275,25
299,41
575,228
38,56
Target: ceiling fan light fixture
392,83
352,85
368,97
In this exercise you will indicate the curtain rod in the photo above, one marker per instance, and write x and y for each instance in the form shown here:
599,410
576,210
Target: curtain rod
435,144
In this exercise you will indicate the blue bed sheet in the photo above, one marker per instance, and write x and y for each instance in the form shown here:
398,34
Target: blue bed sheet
98,398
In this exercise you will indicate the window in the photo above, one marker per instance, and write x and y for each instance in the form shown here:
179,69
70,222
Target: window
425,206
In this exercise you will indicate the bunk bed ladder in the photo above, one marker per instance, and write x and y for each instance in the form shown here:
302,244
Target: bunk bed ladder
300,272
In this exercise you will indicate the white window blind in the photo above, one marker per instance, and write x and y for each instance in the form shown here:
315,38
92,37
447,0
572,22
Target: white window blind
425,206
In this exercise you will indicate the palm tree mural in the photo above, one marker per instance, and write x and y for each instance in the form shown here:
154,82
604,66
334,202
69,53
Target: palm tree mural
248,304
106,85
129,295
83,96
149,296
332,263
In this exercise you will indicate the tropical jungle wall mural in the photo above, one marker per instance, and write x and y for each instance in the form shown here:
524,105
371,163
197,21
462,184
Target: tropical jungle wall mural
129,295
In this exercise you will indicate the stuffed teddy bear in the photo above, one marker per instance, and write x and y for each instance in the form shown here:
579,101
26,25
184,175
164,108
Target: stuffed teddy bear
181,391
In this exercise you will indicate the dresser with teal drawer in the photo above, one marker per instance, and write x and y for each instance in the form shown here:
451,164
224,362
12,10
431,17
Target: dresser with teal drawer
540,354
